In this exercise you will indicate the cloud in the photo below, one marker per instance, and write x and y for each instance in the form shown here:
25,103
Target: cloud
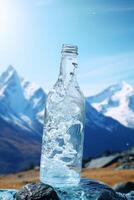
122,63
101,9
119,9
103,71
91,12
92,88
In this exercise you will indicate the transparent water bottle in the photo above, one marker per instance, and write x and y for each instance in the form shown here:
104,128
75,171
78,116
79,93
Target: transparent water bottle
62,143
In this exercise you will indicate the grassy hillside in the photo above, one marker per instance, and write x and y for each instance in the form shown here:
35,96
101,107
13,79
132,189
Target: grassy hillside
107,175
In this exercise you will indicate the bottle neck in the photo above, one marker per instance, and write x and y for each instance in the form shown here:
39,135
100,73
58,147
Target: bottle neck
68,67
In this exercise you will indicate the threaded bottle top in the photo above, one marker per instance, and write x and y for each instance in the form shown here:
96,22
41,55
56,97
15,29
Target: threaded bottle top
68,48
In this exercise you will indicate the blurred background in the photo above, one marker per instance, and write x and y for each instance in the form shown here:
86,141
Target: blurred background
31,35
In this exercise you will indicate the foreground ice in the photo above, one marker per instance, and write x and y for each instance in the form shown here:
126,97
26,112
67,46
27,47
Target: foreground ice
7,194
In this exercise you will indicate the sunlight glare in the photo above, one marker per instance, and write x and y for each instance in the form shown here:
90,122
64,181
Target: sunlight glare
4,15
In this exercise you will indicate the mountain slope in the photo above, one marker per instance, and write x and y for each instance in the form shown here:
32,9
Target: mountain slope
20,128
104,134
117,101
19,149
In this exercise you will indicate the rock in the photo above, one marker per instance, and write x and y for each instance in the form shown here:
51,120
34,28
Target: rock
38,191
89,189
37,168
124,187
125,165
122,160
86,190
102,161
127,160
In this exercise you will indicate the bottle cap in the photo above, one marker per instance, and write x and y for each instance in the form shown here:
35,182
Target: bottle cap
68,48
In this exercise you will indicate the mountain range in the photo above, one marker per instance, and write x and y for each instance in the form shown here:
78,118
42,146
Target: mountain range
109,121
117,101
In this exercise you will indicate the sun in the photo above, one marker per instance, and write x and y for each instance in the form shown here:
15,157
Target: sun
4,15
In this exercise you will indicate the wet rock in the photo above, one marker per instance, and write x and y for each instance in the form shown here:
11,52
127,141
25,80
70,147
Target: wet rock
89,189
38,191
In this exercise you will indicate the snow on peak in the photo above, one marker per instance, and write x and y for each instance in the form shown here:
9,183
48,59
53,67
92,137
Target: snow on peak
126,86
7,74
10,68
29,88
115,102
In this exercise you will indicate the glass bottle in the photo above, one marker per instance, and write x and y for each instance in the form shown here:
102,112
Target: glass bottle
62,142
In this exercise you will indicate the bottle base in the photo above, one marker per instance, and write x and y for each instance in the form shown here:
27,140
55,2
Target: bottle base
56,182
59,175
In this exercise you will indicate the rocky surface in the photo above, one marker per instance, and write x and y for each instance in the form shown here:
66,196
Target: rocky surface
104,161
127,160
122,160
38,191
86,190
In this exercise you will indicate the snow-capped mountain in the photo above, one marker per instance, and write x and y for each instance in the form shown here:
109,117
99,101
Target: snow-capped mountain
22,106
117,101
20,101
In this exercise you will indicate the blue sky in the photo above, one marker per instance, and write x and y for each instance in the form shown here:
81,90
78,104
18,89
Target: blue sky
33,31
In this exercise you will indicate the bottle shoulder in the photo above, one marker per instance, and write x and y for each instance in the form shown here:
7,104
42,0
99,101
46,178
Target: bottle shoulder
69,103
74,90
61,90
70,99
